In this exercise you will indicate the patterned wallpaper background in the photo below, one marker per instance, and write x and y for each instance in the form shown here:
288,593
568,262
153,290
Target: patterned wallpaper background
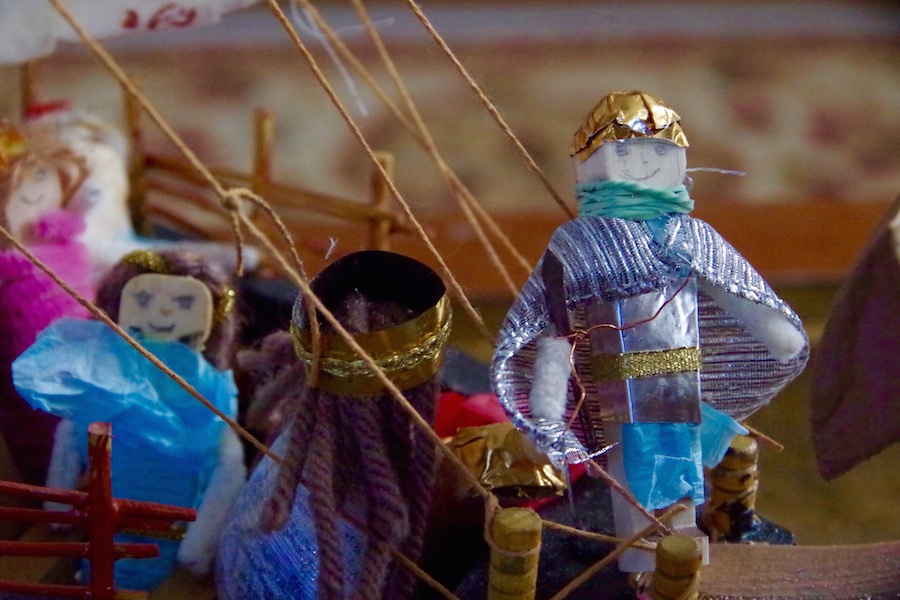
806,115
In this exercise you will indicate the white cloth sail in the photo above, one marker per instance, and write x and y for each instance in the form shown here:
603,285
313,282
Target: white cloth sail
31,29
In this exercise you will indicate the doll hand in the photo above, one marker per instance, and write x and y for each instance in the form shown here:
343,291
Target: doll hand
559,443
198,549
550,386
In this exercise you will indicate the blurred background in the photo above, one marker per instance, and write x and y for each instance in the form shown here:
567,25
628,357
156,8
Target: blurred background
802,96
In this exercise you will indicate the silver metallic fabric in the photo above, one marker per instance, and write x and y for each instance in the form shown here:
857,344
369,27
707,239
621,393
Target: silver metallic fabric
609,259
637,370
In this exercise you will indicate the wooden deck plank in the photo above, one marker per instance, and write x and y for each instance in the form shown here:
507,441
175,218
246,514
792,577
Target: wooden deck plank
745,571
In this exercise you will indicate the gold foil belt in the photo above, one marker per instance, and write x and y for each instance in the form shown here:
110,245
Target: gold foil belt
650,363
409,354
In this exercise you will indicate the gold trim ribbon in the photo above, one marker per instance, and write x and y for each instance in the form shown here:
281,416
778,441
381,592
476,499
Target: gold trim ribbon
409,354
651,363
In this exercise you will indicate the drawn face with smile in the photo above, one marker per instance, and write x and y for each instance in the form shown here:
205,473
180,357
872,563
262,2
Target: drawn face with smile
38,189
650,162
167,308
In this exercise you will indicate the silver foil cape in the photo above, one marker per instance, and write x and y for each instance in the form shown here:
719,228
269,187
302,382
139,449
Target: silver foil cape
607,259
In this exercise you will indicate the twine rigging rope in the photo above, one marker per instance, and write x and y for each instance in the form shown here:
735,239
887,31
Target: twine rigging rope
418,134
231,199
431,147
357,133
490,107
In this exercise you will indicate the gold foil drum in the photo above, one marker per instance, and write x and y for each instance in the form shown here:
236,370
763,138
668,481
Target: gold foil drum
408,353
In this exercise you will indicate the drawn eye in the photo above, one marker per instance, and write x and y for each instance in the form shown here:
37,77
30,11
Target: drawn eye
661,149
184,302
143,299
622,149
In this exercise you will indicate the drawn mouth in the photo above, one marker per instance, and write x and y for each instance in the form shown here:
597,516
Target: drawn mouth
162,328
635,178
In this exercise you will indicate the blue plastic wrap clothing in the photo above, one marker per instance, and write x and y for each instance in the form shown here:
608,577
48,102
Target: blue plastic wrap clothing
165,442
285,563
664,461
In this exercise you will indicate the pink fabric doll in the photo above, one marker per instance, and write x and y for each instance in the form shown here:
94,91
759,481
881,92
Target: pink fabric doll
37,179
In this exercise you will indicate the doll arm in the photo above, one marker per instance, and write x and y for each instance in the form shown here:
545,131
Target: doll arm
774,330
65,463
198,549
547,401
549,389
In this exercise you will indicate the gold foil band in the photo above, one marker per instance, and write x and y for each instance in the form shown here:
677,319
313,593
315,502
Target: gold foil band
147,260
409,354
632,365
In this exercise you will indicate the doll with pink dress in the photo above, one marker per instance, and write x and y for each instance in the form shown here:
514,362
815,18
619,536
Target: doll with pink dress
38,177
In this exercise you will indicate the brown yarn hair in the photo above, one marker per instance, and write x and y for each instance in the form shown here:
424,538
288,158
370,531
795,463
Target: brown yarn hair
219,345
337,445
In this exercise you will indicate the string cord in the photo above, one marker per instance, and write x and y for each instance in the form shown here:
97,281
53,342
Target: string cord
470,81
357,133
431,147
379,91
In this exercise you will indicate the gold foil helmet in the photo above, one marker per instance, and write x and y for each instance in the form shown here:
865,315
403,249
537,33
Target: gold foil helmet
626,115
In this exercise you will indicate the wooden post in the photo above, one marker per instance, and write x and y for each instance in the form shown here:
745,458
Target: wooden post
263,151
379,226
734,483
515,549
26,87
678,559
137,189
101,517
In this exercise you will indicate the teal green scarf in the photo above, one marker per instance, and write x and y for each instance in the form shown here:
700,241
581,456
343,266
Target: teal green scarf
630,200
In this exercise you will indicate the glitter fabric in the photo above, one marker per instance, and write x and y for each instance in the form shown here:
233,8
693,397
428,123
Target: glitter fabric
282,564
609,259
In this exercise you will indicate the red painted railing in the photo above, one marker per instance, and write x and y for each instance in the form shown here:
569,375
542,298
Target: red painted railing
100,515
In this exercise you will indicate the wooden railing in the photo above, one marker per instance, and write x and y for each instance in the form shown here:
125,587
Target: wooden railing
98,513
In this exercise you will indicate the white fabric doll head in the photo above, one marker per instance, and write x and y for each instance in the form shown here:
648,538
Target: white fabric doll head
36,176
631,136
103,195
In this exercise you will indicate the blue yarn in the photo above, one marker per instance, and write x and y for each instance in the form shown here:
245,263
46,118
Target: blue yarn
630,200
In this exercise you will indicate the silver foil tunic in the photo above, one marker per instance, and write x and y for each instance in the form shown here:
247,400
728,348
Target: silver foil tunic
609,259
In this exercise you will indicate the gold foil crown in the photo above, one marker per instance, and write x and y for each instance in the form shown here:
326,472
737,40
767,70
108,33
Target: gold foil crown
626,115
408,353
12,146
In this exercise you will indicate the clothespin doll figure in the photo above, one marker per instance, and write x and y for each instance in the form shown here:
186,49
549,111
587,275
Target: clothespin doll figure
102,197
38,178
358,475
168,446
672,334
